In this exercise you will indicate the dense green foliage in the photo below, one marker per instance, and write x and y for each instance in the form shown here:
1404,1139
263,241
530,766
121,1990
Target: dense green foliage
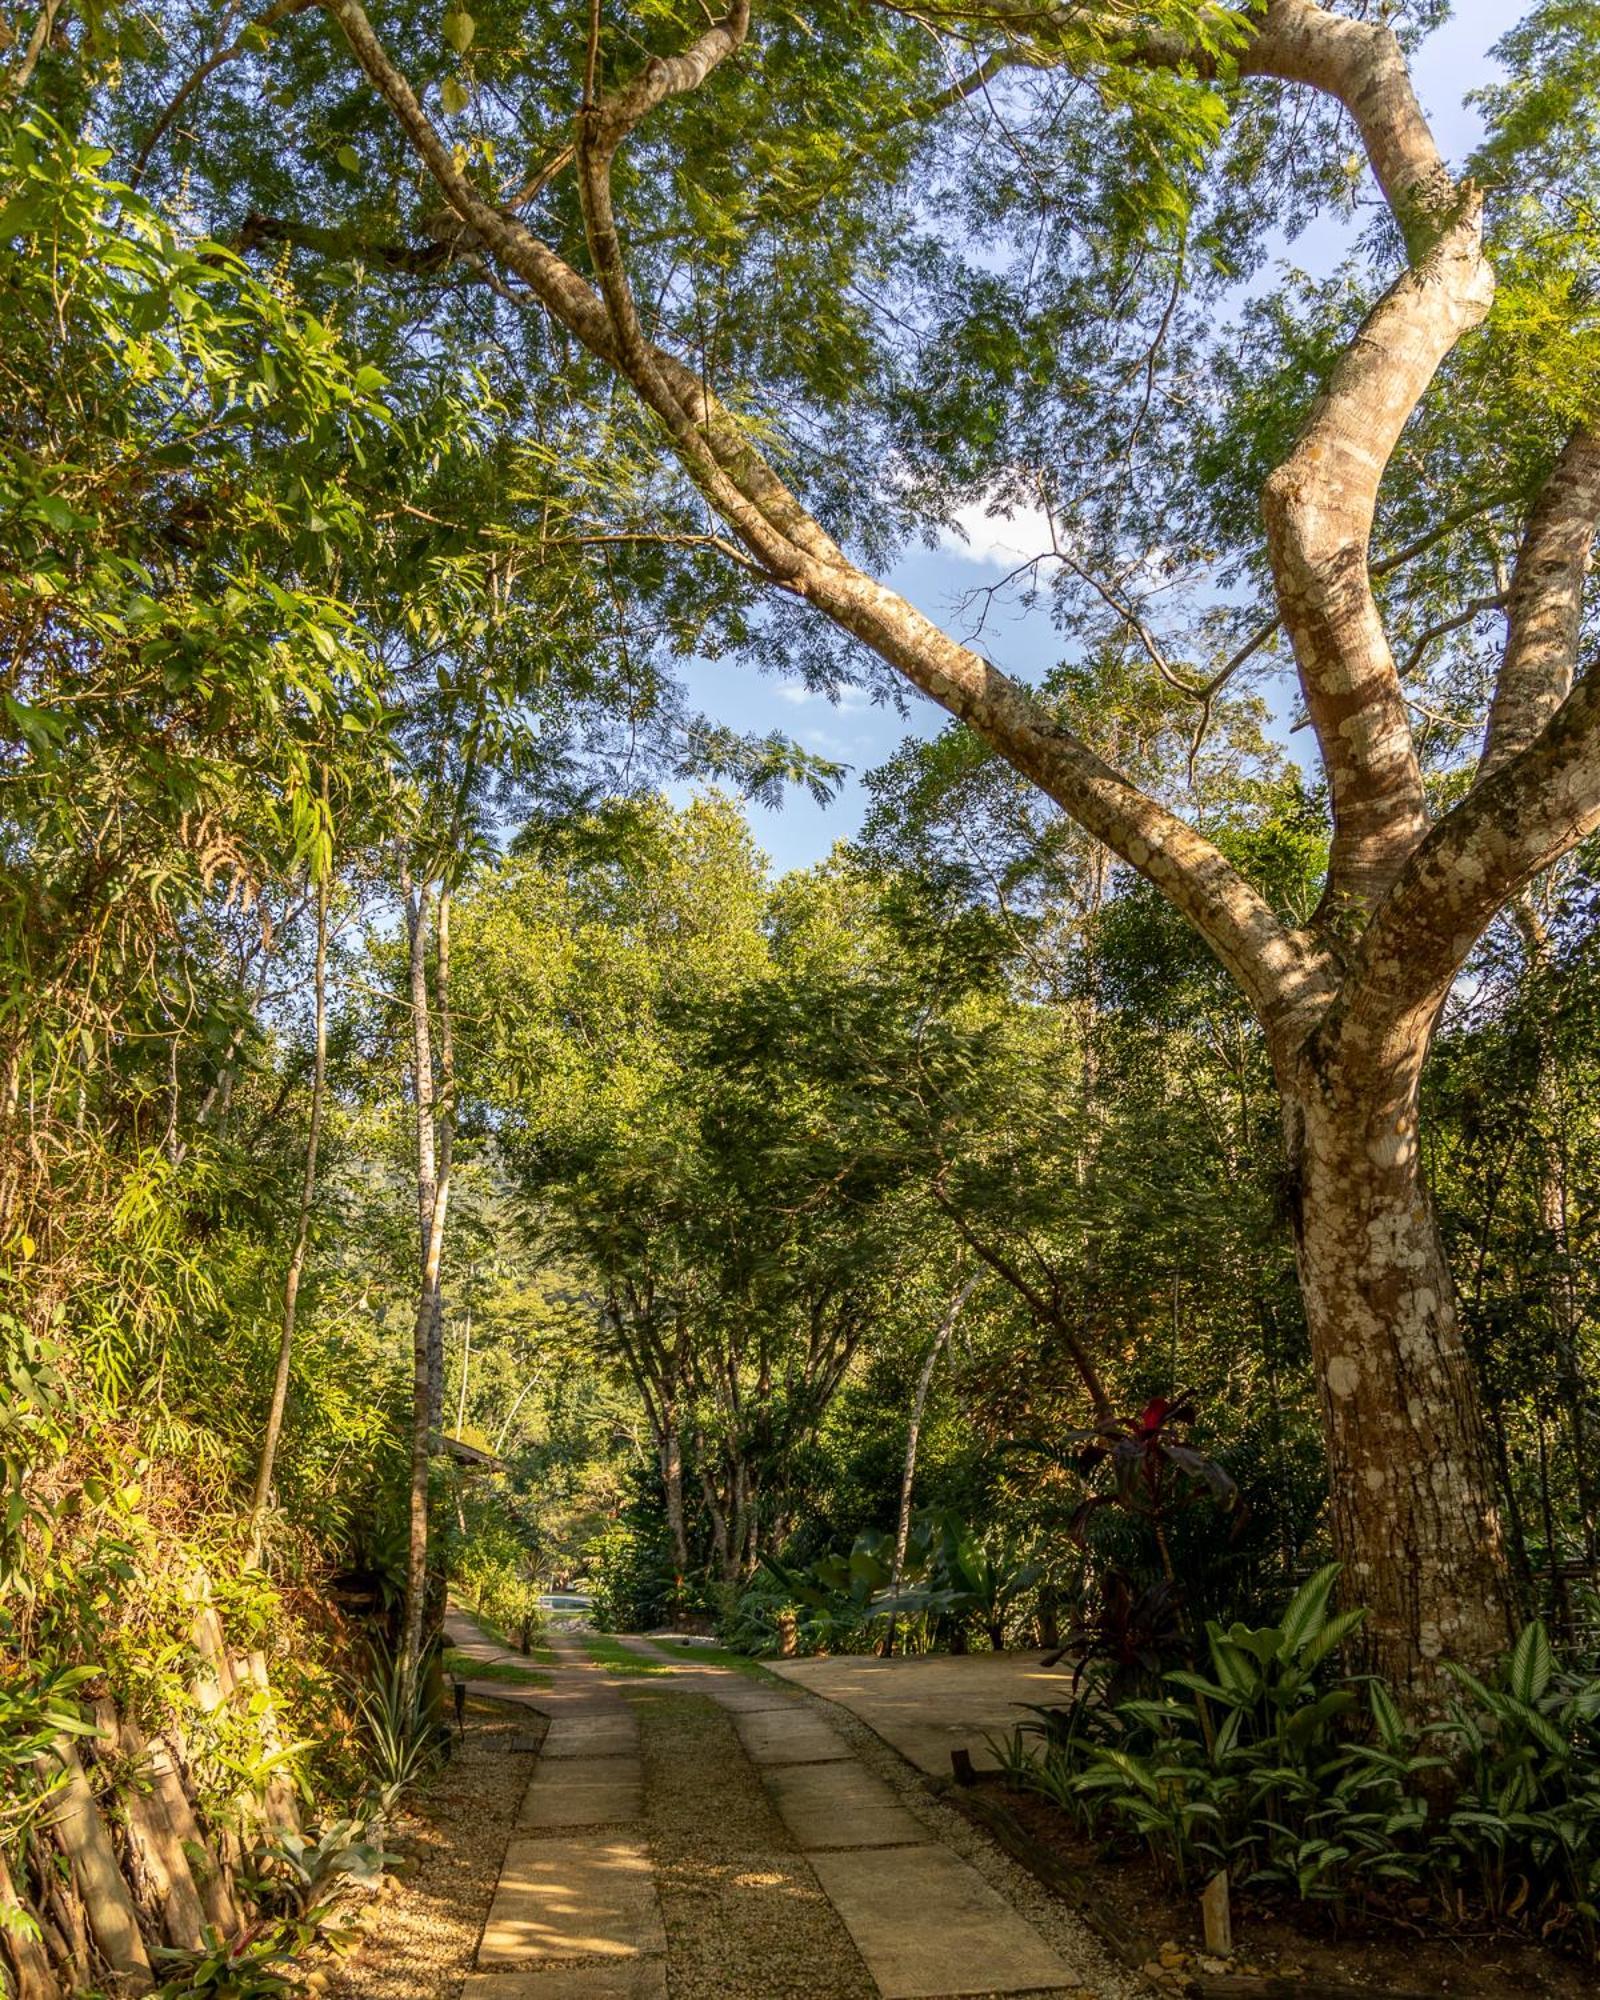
896,1253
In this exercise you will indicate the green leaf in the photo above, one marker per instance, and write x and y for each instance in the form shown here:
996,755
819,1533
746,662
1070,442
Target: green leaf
459,29
454,95
349,159
1386,1715
1308,1609
1532,1664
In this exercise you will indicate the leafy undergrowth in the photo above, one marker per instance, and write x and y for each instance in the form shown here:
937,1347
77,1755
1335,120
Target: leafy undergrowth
1149,1925
1303,1780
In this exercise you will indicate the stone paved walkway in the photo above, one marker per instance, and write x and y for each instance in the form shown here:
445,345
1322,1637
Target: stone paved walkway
576,1915
930,1704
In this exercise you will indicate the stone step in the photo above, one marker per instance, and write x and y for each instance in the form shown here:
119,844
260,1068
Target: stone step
603,1733
789,1736
839,1805
583,1791
930,1927
579,1895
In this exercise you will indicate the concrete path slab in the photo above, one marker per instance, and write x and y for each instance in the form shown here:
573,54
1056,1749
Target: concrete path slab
929,1925
527,1697
580,1895
742,1697
788,1736
928,1706
839,1805
622,1979
599,1733
582,1791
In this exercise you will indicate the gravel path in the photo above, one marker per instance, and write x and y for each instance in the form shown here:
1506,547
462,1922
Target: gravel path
1102,1978
742,1909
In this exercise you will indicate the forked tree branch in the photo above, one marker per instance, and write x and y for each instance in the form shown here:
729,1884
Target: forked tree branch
1319,507
1279,972
1533,808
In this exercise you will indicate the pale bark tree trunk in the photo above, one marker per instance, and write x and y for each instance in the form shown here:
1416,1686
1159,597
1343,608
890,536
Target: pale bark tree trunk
1412,1493
435,1140
908,1475
521,1397
1348,1002
919,1403
425,1091
302,1233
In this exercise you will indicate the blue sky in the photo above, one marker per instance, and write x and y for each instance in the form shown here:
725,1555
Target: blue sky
1453,62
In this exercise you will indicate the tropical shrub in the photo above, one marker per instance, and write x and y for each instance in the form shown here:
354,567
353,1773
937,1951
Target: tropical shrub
1301,1778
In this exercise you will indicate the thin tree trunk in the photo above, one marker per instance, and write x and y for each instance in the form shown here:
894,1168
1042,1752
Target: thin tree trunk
466,1365
1413,1511
919,1403
444,1112
532,1383
434,1148
302,1233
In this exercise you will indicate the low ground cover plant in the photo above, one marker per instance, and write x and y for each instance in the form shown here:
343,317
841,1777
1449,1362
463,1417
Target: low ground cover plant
1299,1776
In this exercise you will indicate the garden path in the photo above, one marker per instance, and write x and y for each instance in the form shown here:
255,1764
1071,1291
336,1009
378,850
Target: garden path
928,1909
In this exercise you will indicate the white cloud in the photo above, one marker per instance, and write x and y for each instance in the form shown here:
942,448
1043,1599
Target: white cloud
848,700
988,534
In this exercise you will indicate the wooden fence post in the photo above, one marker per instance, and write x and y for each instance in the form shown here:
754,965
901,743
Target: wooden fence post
29,1959
82,1837
157,1847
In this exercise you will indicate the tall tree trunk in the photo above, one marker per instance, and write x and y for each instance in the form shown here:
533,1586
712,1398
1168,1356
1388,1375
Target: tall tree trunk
435,1138
1412,1495
671,1445
444,1122
302,1234
919,1403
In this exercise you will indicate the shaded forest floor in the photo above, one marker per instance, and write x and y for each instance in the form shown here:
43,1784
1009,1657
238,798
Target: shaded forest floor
1147,1925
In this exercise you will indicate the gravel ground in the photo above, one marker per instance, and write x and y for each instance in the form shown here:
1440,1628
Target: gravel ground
423,1933
742,1909
1102,1978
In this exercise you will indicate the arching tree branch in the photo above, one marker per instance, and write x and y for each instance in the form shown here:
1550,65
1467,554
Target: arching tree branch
1545,608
